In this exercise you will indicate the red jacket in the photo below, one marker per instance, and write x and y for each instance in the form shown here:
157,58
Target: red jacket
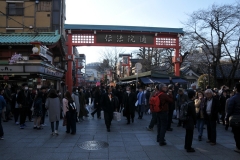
165,100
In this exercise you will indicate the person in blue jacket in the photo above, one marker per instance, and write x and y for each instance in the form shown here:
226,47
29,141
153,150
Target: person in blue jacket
2,106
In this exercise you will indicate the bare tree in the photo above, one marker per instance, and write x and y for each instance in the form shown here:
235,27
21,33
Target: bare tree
216,30
109,57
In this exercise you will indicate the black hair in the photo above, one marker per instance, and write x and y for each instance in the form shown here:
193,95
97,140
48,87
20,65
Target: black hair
237,86
191,94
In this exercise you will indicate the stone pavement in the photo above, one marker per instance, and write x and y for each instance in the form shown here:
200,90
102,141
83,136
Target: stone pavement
125,142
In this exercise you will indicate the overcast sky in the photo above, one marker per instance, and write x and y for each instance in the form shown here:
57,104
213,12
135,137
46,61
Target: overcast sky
152,13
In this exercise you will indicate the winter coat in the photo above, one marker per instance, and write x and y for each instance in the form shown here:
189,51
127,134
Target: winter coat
108,104
97,99
165,99
199,105
24,99
214,109
191,116
181,99
65,106
54,107
82,102
129,102
75,98
233,106
2,104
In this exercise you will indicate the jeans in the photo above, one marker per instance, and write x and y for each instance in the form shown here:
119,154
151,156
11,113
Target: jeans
52,126
140,110
236,132
153,120
1,128
162,120
200,124
188,139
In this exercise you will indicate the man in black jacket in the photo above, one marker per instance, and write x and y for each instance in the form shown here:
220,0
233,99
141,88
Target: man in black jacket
210,110
108,105
190,122
24,100
129,99
234,109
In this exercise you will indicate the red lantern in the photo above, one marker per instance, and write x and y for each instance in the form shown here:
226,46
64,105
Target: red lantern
5,78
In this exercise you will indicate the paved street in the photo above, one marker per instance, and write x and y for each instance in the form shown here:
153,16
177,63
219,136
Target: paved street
125,142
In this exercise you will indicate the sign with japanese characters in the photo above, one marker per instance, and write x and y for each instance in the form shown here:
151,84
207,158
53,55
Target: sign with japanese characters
11,68
125,38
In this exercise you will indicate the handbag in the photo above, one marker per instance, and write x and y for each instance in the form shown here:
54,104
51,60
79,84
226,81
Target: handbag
234,121
64,121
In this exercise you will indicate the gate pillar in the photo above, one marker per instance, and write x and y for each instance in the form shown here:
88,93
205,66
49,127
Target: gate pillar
69,58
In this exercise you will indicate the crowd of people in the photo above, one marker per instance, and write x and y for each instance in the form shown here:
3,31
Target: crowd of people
204,107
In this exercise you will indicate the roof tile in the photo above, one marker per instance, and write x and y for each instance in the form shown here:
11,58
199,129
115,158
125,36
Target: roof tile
26,38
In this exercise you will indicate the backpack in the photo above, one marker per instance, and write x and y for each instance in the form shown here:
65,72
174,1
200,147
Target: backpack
154,103
183,112
72,106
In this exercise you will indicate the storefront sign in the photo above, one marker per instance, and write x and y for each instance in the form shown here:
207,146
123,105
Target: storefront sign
10,68
125,38
52,72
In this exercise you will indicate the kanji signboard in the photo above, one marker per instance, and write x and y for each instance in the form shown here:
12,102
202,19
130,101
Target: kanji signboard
125,38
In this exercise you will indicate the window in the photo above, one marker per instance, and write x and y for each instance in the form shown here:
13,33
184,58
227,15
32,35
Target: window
15,9
44,7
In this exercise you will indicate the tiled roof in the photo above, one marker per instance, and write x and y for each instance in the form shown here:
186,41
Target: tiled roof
25,38
123,28
226,71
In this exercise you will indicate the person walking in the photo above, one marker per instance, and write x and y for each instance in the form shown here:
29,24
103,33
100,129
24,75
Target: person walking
8,98
162,116
108,104
211,105
181,99
82,102
53,106
15,107
190,122
233,109
45,91
96,103
171,107
222,100
69,114
129,99
199,105
154,114
232,93
141,102
75,97
24,100
37,110
2,106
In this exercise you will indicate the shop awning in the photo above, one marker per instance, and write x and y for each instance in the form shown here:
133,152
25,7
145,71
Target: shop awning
152,80
46,38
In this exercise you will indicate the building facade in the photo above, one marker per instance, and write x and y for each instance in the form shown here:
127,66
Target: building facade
34,31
